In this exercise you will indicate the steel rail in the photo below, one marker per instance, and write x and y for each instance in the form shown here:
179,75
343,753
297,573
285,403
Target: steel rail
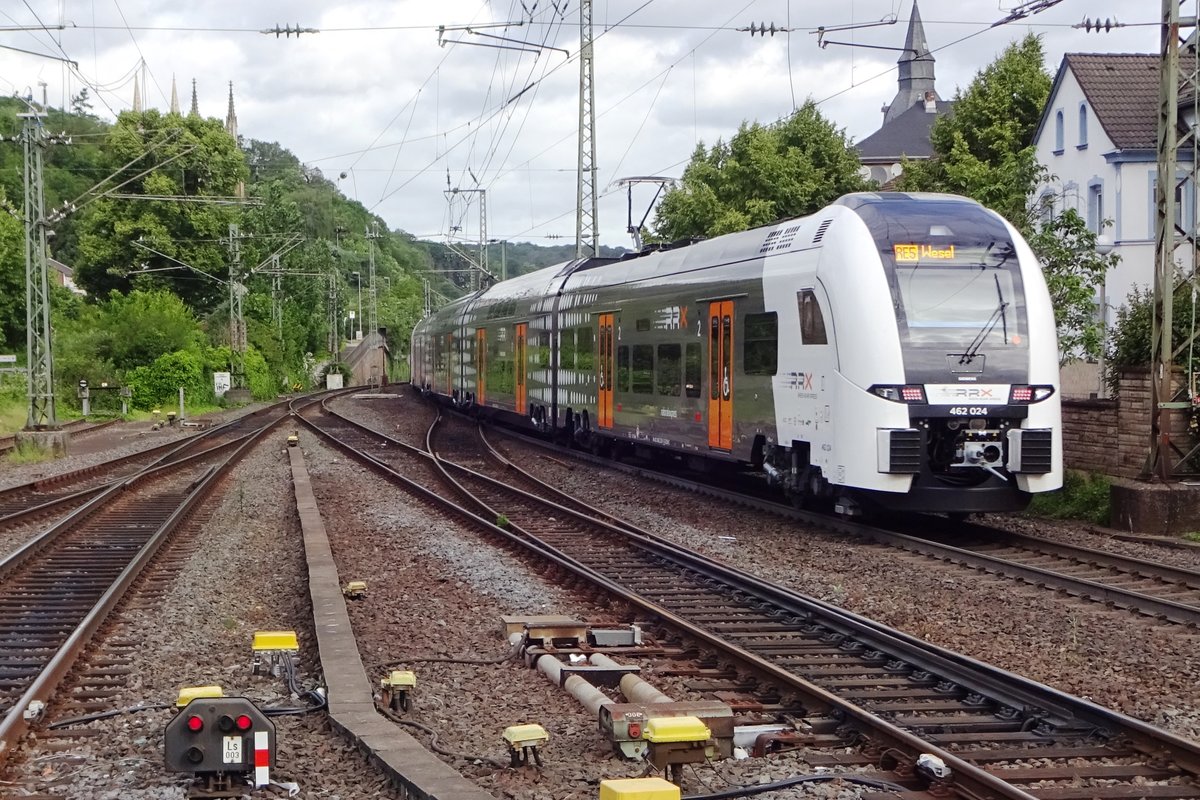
970,780
1007,687
1160,608
1038,702
16,722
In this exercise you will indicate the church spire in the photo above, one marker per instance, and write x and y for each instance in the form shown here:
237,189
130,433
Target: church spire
916,79
195,111
174,96
137,95
230,116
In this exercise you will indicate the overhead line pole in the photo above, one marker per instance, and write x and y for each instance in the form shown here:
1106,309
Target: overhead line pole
39,356
585,193
1178,77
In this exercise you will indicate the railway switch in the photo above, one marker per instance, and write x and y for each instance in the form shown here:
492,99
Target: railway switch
675,741
397,689
227,743
524,741
274,652
355,590
638,789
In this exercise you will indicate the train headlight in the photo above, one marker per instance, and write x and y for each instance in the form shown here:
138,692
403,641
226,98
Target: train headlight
1021,394
910,393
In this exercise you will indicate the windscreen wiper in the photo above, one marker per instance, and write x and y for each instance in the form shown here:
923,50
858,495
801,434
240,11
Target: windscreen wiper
999,315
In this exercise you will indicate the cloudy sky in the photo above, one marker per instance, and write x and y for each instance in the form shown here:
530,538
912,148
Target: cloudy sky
380,97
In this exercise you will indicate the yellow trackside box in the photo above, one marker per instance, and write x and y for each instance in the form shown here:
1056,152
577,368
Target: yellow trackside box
661,730
275,640
638,789
189,693
525,735
400,679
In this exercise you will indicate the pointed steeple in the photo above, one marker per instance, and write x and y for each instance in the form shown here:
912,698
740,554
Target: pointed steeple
137,95
230,116
916,78
174,97
195,111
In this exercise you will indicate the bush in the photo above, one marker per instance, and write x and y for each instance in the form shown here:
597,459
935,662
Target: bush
159,383
1083,496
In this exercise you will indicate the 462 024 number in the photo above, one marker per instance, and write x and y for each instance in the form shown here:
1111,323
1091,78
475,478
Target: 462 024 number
969,411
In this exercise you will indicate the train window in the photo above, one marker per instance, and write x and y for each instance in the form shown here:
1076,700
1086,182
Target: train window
760,343
543,349
691,370
667,374
585,346
642,374
623,368
566,349
643,325
812,321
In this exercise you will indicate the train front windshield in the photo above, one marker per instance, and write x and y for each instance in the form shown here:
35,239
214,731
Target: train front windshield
955,281
954,295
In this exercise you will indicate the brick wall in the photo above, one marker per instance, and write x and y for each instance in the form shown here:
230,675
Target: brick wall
1112,436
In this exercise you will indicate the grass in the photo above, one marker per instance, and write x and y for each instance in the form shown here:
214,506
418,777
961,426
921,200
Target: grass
26,453
1083,496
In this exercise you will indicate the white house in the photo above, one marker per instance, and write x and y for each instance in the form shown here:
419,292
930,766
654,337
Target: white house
1097,138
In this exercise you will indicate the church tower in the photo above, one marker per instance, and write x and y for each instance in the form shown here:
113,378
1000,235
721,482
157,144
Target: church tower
230,116
137,96
174,97
916,83
195,111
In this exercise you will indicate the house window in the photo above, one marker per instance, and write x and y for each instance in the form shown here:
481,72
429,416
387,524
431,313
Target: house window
1082,126
1058,131
1095,206
1045,208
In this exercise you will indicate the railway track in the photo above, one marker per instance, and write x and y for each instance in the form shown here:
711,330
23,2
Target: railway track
860,683
1161,592
64,491
57,590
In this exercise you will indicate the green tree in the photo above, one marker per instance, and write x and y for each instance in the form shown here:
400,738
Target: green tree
984,148
1073,268
1129,340
763,174
12,275
196,158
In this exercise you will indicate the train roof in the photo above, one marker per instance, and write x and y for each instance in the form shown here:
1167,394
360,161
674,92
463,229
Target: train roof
732,248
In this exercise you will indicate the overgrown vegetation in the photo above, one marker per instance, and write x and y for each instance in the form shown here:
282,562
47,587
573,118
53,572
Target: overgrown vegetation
1083,496
157,271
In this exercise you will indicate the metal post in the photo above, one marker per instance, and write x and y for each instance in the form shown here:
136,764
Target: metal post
1176,78
182,414
39,358
373,307
237,322
585,195
358,319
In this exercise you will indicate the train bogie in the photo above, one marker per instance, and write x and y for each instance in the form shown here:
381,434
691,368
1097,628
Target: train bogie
891,351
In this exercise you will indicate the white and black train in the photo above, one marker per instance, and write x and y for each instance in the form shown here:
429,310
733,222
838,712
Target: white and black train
892,351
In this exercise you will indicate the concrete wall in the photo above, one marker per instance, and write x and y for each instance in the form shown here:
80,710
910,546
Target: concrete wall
367,359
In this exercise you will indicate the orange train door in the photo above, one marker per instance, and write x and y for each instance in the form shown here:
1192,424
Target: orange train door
480,363
604,371
720,375
519,365
450,363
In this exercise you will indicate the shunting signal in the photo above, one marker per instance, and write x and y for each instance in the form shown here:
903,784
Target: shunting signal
223,742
